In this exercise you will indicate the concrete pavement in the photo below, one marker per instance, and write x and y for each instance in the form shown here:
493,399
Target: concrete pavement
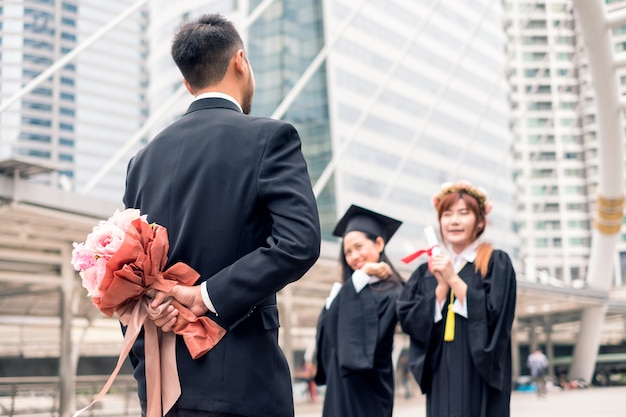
592,402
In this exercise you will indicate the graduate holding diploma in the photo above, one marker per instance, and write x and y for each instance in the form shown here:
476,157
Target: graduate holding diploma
458,310
356,327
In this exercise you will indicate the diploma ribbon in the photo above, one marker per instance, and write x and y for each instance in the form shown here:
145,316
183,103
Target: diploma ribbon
410,258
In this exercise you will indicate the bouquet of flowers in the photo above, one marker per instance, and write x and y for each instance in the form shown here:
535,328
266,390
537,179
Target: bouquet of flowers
121,263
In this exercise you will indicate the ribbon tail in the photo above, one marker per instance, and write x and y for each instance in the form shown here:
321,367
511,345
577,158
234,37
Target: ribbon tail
170,384
200,334
162,383
137,317
153,370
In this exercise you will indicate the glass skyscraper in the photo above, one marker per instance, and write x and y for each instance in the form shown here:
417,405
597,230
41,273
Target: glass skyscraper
407,94
112,80
78,118
281,45
410,94
42,125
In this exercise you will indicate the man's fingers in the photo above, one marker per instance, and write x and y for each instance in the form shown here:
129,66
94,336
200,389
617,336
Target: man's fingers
168,325
167,320
159,298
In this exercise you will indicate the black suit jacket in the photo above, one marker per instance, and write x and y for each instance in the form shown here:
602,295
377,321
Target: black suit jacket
235,196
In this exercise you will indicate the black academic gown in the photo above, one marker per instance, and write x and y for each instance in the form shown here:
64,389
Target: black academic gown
471,375
354,345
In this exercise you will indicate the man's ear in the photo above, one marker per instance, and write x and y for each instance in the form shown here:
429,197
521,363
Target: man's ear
239,61
188,87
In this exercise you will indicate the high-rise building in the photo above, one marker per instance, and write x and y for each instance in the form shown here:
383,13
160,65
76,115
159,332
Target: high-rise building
86,110
111,84
555,143
407,94
42,124
619,37
410,94
282,44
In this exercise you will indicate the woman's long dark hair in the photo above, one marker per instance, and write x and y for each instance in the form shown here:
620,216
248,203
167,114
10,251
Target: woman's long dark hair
394,280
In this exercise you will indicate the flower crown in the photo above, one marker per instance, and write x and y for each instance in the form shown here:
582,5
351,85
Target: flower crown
466,187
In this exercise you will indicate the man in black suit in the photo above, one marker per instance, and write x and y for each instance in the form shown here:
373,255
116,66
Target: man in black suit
234,193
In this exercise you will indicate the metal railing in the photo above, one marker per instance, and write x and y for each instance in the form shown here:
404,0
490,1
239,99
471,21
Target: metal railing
39,396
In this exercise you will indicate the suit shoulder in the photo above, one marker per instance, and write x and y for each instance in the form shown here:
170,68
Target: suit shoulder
269,123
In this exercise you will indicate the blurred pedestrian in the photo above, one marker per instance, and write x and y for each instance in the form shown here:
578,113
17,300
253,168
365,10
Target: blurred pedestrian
405,375
538,364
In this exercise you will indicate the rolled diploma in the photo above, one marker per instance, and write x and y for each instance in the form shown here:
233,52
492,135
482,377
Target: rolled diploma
432,241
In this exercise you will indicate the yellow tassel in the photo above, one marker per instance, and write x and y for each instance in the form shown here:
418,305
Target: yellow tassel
448,334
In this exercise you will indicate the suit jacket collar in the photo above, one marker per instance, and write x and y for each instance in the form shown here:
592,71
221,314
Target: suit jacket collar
211,103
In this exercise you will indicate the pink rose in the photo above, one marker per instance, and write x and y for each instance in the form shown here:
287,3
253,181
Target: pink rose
105,239
82,258
123,219
89,279
92,277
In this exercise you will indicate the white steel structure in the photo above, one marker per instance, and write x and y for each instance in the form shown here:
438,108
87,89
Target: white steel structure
552,199
569,143
597,28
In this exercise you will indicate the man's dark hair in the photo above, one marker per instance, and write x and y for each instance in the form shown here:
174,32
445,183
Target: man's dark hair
203,48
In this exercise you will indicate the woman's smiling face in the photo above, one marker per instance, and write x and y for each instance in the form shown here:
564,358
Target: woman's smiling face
458,226
358,249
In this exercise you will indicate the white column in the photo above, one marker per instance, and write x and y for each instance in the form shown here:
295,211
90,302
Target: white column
547,329
67,365
591,15
587,343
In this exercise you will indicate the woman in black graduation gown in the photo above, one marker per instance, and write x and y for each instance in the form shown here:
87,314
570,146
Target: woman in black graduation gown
356,328
458,311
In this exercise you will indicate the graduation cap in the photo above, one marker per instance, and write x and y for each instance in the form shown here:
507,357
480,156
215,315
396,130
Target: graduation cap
363,220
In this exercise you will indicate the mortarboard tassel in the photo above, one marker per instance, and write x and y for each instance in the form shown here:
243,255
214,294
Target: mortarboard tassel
448,333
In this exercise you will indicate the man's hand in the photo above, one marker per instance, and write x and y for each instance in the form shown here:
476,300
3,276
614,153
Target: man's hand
190,297
166,319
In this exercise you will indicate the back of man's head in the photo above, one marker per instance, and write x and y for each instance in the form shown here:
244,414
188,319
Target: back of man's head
202,49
